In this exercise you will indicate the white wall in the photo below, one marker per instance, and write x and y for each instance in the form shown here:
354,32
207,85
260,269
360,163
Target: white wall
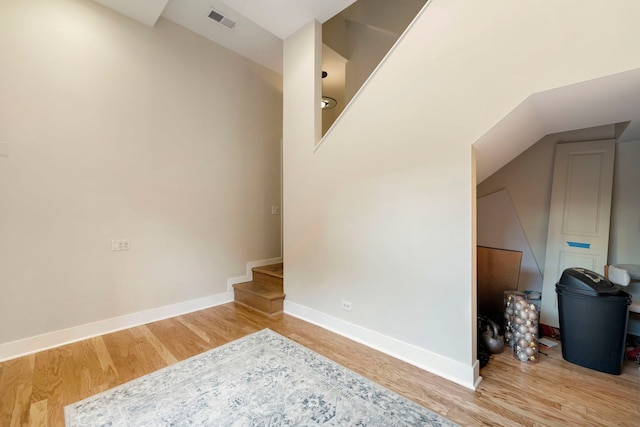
117,130
382,213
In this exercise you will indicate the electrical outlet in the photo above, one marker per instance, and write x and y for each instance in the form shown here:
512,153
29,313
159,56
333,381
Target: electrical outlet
346,305
120,245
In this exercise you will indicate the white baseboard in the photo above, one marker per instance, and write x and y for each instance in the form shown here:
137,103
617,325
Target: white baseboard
49,340
29,345
467,376
249,276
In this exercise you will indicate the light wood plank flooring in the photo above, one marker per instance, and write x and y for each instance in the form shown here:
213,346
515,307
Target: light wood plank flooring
34,389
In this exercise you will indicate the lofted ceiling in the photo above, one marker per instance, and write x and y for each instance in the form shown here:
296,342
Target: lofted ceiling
261,27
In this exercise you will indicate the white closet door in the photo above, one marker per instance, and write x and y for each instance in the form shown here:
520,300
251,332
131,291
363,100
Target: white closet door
579,215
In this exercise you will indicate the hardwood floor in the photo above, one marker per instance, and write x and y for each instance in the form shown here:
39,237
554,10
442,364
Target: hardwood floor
34,389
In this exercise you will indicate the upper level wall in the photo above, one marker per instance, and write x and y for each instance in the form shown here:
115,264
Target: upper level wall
382,214
358,38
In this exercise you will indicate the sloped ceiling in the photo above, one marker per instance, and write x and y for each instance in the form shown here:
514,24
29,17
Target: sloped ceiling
603,101
261,27
145,11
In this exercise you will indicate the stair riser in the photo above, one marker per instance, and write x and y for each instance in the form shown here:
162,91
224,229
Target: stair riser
266,278
259,303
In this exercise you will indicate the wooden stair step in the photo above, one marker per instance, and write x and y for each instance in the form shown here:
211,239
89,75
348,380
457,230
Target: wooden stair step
269,274
275,270
265,297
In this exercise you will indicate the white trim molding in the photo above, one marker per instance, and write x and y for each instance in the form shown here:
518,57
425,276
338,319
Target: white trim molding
37,343
249,276
459,373
49,340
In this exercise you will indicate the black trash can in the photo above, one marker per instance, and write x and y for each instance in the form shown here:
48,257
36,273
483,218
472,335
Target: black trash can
593,316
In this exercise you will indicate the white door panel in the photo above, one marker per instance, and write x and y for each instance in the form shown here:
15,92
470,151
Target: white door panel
582,193
574,259
578,233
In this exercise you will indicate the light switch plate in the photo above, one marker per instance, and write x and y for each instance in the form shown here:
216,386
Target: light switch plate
4,149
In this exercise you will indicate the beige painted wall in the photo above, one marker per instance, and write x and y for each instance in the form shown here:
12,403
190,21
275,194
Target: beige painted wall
382,213
118,130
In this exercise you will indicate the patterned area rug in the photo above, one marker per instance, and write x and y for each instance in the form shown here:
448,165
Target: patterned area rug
263,379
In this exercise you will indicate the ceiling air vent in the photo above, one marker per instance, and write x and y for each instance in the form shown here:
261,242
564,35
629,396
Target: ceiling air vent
220,18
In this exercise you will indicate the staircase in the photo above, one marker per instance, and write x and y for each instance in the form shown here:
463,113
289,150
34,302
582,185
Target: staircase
265,292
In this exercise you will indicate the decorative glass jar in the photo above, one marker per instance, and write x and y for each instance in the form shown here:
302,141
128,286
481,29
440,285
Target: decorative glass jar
521,326
510,298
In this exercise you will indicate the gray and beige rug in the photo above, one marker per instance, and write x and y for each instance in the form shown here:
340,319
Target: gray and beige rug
263,379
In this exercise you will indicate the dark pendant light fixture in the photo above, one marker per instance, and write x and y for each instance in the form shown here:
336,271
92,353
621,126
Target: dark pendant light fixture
327,103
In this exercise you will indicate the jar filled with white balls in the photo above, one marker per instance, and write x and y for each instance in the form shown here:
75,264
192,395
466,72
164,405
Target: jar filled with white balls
521,326
509,310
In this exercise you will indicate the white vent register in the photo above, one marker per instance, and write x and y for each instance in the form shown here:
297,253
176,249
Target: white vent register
221,19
